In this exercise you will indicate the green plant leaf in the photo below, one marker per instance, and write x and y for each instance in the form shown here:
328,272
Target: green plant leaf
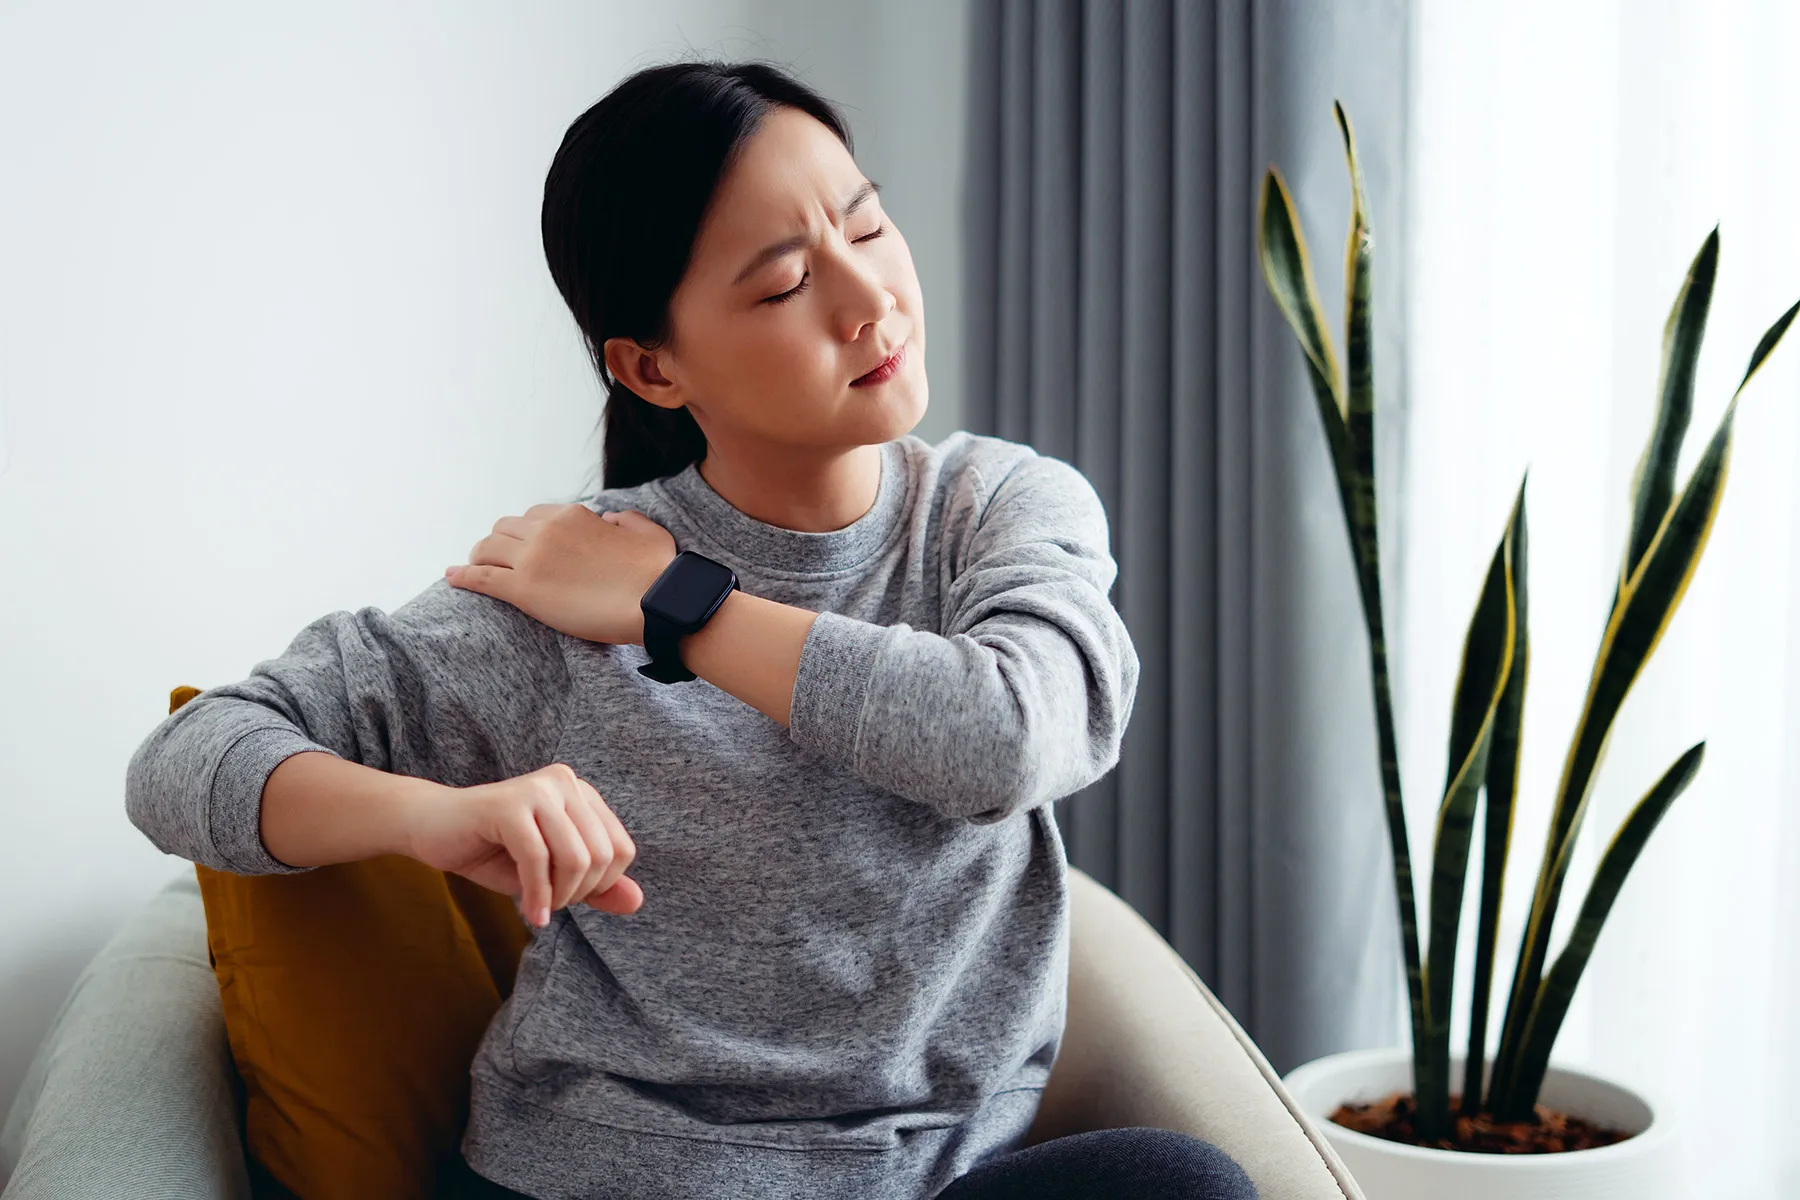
1501,797
1646,603
1286,267
1358,492
1481,682
1558,988
1767,345
1358,316
1653,485
1361,514
1358,477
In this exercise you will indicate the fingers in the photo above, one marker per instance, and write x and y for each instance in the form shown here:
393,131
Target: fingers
490,569
603,852
525,842
602,827
497,550
624,849
568,846
569,854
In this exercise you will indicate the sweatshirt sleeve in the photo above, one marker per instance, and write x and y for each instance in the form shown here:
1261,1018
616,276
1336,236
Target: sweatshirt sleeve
1023,699
453,686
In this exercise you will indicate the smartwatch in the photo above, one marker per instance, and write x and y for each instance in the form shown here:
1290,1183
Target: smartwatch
682,600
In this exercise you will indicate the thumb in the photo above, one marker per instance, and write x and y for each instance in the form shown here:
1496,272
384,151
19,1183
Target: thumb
623,897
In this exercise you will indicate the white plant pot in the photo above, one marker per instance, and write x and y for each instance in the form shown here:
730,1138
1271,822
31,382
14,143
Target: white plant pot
1642,1167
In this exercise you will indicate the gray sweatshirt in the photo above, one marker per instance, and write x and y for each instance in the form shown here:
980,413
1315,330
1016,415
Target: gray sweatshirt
849,974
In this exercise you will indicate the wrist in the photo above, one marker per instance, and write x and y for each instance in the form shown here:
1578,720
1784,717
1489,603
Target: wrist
637,607
406,813
690,641
643,587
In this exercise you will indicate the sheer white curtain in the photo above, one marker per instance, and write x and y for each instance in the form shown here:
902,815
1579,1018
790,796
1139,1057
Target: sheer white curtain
1569,158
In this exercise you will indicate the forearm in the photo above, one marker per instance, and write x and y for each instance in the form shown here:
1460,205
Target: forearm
318,809
751,648
976,725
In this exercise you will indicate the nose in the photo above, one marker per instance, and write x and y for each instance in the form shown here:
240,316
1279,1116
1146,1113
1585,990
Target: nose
868,304
866,301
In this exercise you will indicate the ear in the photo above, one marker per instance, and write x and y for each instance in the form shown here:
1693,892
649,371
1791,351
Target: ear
639,370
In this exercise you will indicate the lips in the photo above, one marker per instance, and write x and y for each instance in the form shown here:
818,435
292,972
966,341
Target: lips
884,371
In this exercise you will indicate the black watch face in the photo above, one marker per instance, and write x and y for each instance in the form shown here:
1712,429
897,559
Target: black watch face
686,594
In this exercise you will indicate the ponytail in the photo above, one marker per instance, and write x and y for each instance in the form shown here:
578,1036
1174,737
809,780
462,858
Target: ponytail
645,441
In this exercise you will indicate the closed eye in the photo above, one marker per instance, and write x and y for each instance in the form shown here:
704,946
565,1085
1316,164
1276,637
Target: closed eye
784,297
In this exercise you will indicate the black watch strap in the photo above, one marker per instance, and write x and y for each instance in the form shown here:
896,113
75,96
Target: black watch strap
663,641
672,609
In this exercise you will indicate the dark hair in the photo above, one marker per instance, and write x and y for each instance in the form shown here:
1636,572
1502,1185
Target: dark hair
623,203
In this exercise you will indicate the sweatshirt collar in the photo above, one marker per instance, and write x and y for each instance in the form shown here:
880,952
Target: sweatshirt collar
725,528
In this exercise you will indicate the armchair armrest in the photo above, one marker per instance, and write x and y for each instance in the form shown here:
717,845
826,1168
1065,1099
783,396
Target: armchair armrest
133,1092
1146,1043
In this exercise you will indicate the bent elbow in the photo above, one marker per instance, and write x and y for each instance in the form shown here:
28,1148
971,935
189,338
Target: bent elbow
1020,780
1045,766
141,808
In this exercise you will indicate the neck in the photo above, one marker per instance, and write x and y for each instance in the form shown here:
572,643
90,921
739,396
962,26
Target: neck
807,489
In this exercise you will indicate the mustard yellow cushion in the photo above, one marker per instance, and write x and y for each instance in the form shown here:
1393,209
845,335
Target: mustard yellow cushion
355,996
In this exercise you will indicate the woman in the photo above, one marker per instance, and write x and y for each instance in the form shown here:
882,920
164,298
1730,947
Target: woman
838,966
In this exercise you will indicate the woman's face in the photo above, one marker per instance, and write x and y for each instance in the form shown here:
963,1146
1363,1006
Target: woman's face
757,362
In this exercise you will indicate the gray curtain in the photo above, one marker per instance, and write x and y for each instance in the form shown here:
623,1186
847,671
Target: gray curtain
1119,321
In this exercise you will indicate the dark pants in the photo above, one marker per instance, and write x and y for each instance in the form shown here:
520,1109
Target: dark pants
1136,1163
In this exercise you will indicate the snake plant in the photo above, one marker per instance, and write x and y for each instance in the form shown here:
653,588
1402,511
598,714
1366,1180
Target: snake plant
1669,531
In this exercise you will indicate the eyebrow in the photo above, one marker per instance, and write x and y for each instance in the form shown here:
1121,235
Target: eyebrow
769,254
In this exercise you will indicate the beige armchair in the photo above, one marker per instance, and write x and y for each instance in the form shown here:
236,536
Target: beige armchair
1147,1043
132,1092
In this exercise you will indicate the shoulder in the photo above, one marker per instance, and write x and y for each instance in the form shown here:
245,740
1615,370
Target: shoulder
963,453
980,470
463,621
988,494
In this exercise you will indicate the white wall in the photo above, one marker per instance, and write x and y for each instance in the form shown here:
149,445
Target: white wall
277,339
